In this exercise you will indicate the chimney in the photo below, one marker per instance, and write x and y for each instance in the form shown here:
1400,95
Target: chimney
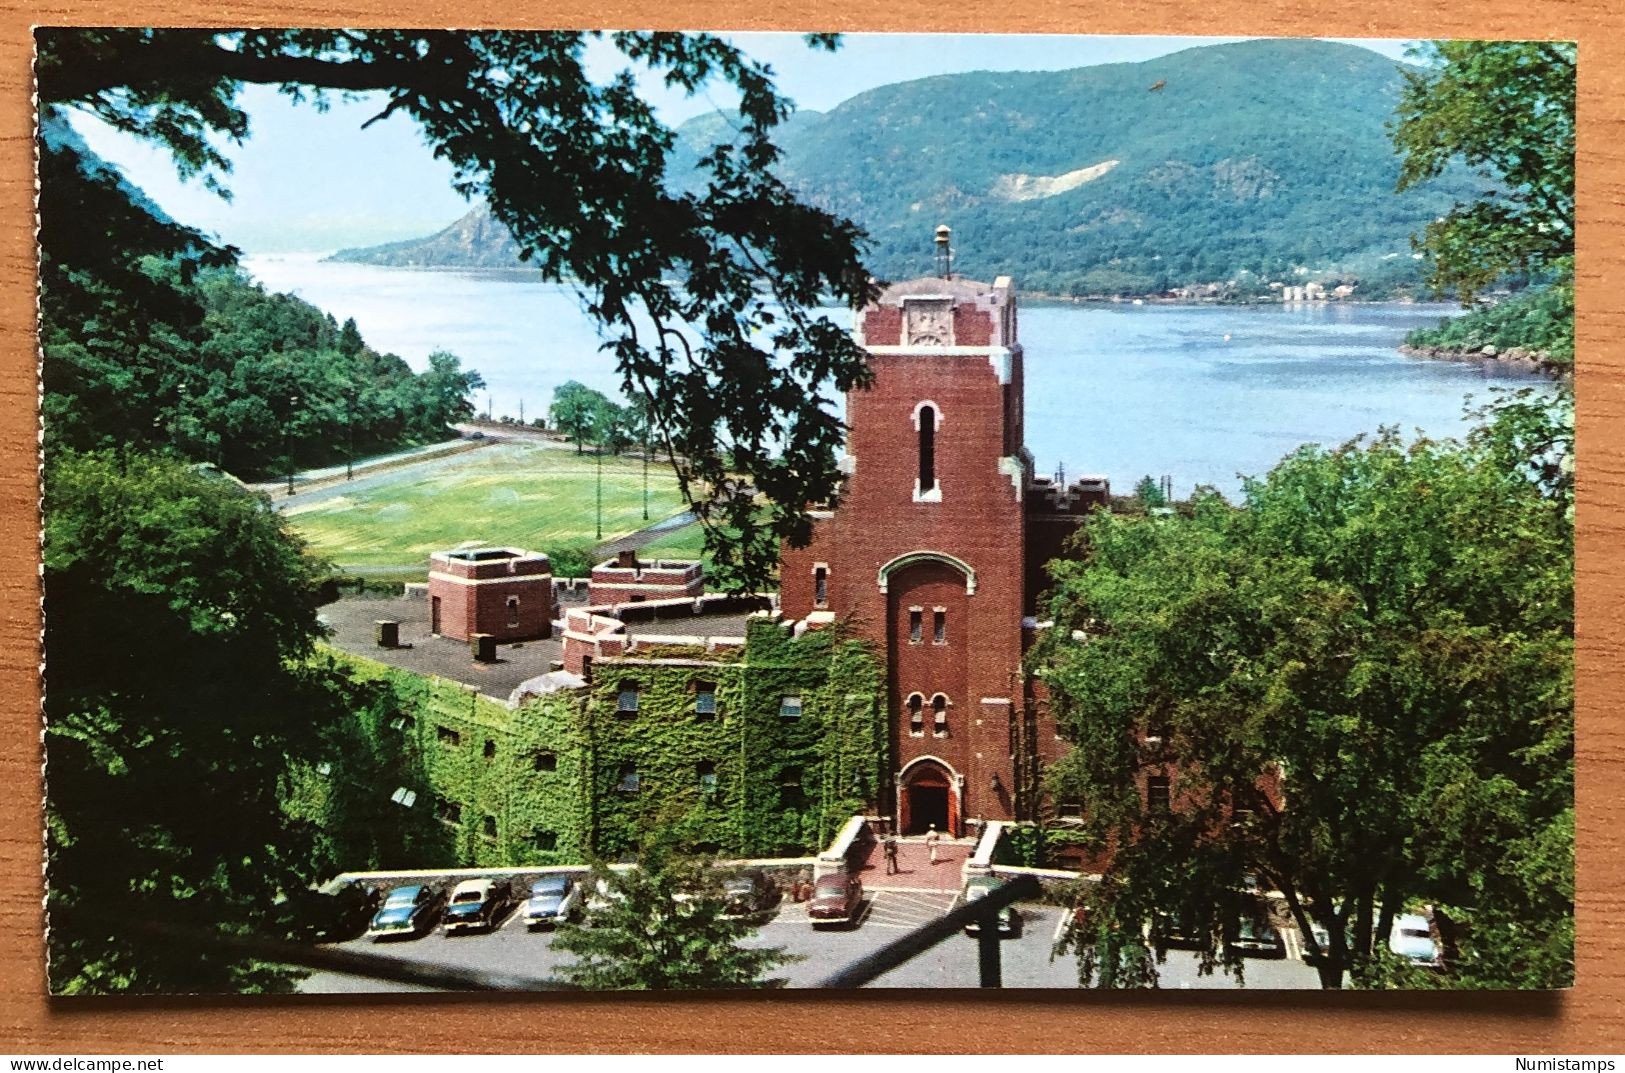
627,559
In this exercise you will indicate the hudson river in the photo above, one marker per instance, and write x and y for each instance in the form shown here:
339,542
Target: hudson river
1202,393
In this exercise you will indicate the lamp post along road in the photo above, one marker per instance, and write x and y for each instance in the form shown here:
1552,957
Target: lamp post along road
287,438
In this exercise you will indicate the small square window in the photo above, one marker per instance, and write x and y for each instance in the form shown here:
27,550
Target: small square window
914,626
449,812
547,841
790,778
448,737
488,828
545,761
706,772
790,707
490,749
630,783
705,701
626,700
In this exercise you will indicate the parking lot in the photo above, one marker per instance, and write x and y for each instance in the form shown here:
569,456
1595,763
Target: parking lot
886,915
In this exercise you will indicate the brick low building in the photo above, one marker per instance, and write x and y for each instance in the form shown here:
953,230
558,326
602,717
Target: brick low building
627,579
503,592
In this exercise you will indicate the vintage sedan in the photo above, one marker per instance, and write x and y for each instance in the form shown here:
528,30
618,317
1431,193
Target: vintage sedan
477,905
836,899
553,899
980,887
748,892
408,912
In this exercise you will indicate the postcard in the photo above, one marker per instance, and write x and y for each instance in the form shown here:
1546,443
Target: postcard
645,511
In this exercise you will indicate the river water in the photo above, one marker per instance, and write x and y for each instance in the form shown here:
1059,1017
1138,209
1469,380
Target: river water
1201,393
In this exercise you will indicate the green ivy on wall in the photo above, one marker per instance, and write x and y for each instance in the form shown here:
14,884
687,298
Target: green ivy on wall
710,752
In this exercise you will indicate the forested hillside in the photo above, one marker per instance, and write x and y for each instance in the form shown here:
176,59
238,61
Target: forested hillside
1263,157
176,348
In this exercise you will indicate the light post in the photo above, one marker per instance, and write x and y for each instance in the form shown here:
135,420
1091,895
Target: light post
645,471
600,453
349,434
287,438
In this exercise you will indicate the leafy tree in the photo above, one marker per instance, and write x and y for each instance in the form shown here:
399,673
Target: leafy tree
576,411
179,615
1149,492
1360,686
735,362
663,928
1506,109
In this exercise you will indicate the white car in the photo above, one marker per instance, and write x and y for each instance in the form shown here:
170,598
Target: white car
553,899
1412,939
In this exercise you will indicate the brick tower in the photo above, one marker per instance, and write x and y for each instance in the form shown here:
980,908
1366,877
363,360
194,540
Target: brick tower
925,557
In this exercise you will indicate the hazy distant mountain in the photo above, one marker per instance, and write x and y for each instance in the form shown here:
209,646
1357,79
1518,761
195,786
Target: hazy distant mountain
1262,155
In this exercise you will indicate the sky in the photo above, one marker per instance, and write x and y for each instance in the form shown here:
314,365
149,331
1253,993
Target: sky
308,181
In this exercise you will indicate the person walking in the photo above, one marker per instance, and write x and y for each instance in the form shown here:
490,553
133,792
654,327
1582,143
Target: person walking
932,838
889,848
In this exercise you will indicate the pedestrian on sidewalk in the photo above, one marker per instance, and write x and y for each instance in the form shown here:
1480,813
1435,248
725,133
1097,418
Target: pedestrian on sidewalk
889,848
932,838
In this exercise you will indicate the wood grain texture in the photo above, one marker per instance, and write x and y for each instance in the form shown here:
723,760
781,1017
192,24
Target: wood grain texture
1590,1018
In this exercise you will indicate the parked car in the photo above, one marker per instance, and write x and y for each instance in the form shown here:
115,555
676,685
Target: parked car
1253,932
748,892
1411,938
980,887
1179,931
408,912
835,899
313,917
477,904
553,898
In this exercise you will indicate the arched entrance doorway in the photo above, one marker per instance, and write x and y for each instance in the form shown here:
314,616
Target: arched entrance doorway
928,795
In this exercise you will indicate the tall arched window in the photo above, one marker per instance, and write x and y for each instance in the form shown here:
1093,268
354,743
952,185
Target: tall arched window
928,449
939,715
916,715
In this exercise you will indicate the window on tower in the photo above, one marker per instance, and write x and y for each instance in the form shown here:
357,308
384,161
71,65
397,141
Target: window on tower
939,626
939,715
916,715
821,586
914,625
928,449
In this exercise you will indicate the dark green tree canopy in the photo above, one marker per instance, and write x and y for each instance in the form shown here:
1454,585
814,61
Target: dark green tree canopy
1360,684
1506,109
663,926
707,297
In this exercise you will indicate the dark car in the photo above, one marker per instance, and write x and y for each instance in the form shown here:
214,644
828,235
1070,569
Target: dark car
408,912
980,887
553,898
748,892
477,905
314,917
1254,932
835,899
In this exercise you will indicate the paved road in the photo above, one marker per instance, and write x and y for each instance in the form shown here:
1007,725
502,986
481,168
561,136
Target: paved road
886,916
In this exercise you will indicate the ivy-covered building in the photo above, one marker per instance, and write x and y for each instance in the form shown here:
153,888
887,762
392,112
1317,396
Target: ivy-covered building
759,749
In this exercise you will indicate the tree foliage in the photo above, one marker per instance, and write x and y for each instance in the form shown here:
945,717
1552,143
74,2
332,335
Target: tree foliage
1505,109
663,926
1360,685
179,613
733,360
151,338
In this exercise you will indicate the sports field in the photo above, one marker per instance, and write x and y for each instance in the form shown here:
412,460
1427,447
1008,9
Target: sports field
514,494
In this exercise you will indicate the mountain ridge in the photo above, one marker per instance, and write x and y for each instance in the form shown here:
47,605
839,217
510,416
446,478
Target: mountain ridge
1265,158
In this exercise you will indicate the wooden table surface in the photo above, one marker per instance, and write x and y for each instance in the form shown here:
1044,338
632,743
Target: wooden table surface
1590,1018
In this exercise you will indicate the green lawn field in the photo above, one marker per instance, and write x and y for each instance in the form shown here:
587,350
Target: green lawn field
513,494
